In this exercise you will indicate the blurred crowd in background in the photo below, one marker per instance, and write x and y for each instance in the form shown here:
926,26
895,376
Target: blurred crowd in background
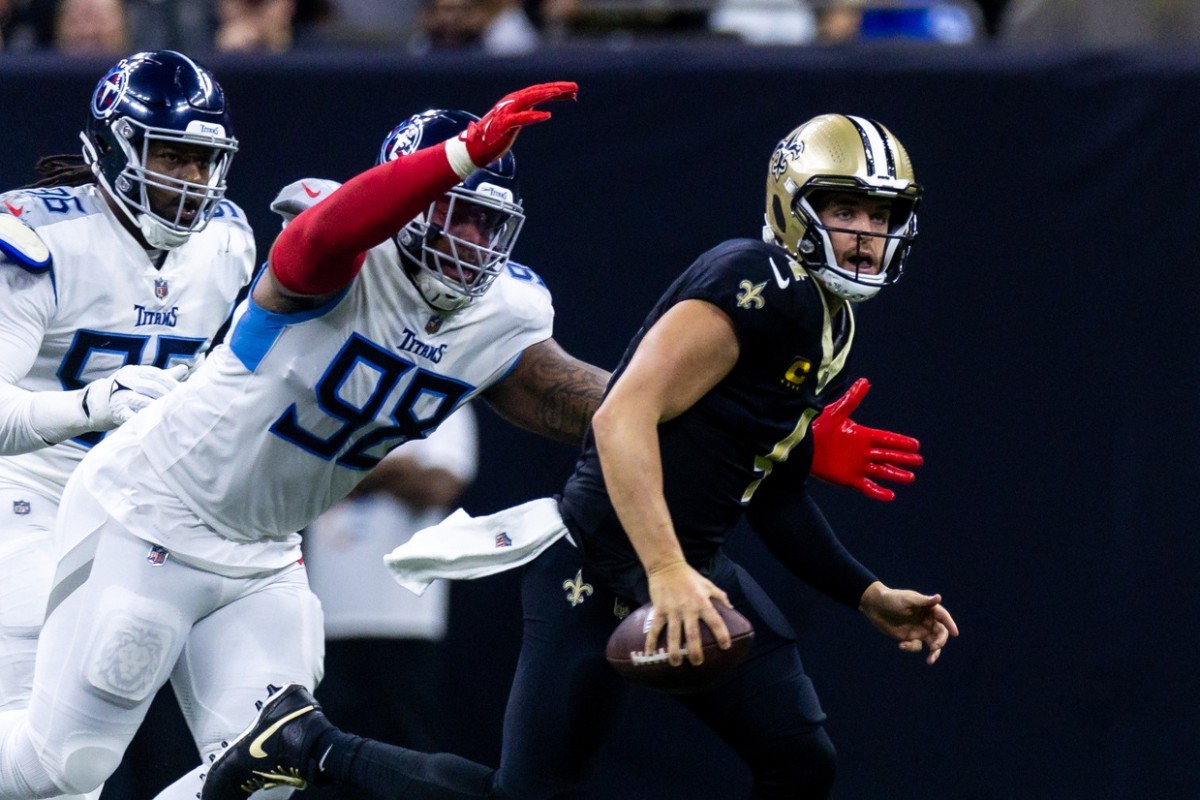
515,27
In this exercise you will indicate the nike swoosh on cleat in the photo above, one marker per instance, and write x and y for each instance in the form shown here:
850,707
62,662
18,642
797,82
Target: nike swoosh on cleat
16,211
256,750
309,191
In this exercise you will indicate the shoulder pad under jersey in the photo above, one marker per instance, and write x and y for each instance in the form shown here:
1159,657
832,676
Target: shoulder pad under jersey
295,197
21,244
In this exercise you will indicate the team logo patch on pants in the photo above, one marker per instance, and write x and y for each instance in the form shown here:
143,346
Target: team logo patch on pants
576,589
21,507
157,556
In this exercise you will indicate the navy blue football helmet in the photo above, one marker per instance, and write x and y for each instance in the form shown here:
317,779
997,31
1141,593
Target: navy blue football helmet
489,201
159,96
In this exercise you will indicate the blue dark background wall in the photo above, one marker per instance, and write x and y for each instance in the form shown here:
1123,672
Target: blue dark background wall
1042,347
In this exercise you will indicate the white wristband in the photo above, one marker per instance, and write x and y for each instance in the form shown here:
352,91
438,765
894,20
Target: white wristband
459,158
58,416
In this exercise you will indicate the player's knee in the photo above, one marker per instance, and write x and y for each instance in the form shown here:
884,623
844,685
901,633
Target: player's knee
85,768
803,764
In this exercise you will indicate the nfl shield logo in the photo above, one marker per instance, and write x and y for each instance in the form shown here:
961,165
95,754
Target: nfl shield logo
503,540
20,507
157,556
160,288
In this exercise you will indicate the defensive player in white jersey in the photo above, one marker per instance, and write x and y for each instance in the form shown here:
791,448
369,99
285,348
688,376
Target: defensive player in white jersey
386,305
117,270
178,557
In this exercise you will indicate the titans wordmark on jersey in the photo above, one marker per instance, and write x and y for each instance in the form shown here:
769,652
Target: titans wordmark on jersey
103,304
275,428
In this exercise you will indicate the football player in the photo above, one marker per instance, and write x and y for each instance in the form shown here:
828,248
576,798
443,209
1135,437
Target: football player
386,304
705,421
118,269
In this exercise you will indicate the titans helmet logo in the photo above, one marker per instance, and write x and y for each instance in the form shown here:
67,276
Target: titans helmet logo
404,139
109,92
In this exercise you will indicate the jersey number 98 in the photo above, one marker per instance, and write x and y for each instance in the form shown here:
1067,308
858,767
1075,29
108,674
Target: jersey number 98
425,402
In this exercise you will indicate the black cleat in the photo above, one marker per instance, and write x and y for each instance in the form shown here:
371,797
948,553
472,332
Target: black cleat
272,751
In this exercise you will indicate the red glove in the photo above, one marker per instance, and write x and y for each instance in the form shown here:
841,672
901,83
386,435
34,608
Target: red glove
850,454
492,136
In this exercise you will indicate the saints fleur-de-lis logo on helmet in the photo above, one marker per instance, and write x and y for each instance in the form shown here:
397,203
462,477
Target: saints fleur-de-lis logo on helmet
576,589
785,151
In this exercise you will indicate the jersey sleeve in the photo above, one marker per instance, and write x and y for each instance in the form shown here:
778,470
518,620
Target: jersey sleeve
753,285
791,525
241,239
519,313
27,304
301,195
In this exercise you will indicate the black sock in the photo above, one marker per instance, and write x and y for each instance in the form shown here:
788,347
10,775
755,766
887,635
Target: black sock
386,772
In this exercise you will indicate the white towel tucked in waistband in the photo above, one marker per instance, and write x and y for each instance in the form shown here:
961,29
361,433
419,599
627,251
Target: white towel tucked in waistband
462,546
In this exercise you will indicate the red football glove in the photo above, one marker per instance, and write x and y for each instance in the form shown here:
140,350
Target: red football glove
493,135
850,454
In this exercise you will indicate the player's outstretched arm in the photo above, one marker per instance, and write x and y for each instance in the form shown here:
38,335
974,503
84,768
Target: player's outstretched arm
491,137
682,357
550,392
849,454
916,620
322,250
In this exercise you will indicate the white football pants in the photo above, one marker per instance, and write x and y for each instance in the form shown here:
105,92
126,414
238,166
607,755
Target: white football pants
137,621
26,572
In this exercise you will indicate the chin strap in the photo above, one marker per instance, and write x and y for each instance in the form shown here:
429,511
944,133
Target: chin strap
436,294
157,236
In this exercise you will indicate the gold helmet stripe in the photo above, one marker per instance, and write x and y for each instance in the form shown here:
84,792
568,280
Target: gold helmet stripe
876,146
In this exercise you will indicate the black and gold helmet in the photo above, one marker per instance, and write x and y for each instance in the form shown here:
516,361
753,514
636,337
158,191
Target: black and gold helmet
834,152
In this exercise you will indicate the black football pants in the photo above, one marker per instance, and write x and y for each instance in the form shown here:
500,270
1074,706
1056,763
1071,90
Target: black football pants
566,698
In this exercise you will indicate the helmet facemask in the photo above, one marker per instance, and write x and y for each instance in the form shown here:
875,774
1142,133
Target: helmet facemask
196,203
450,270
865,273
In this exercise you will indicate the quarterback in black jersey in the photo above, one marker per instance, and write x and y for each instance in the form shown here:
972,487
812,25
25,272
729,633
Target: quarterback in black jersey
706,421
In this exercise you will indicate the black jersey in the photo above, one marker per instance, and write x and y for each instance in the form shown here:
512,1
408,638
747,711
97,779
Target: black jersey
716,454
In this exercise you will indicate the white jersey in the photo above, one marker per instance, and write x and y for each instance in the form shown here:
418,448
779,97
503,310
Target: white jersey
287,416
344,547
102,304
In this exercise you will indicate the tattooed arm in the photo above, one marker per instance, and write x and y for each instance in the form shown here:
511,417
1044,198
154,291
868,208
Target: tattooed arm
550,392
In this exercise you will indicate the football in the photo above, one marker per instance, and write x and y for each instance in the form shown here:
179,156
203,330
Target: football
626,653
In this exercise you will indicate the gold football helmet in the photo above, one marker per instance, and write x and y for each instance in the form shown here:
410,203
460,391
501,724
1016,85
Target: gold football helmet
834,152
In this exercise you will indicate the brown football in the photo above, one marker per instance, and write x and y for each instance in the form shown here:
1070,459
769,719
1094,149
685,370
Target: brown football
626,652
